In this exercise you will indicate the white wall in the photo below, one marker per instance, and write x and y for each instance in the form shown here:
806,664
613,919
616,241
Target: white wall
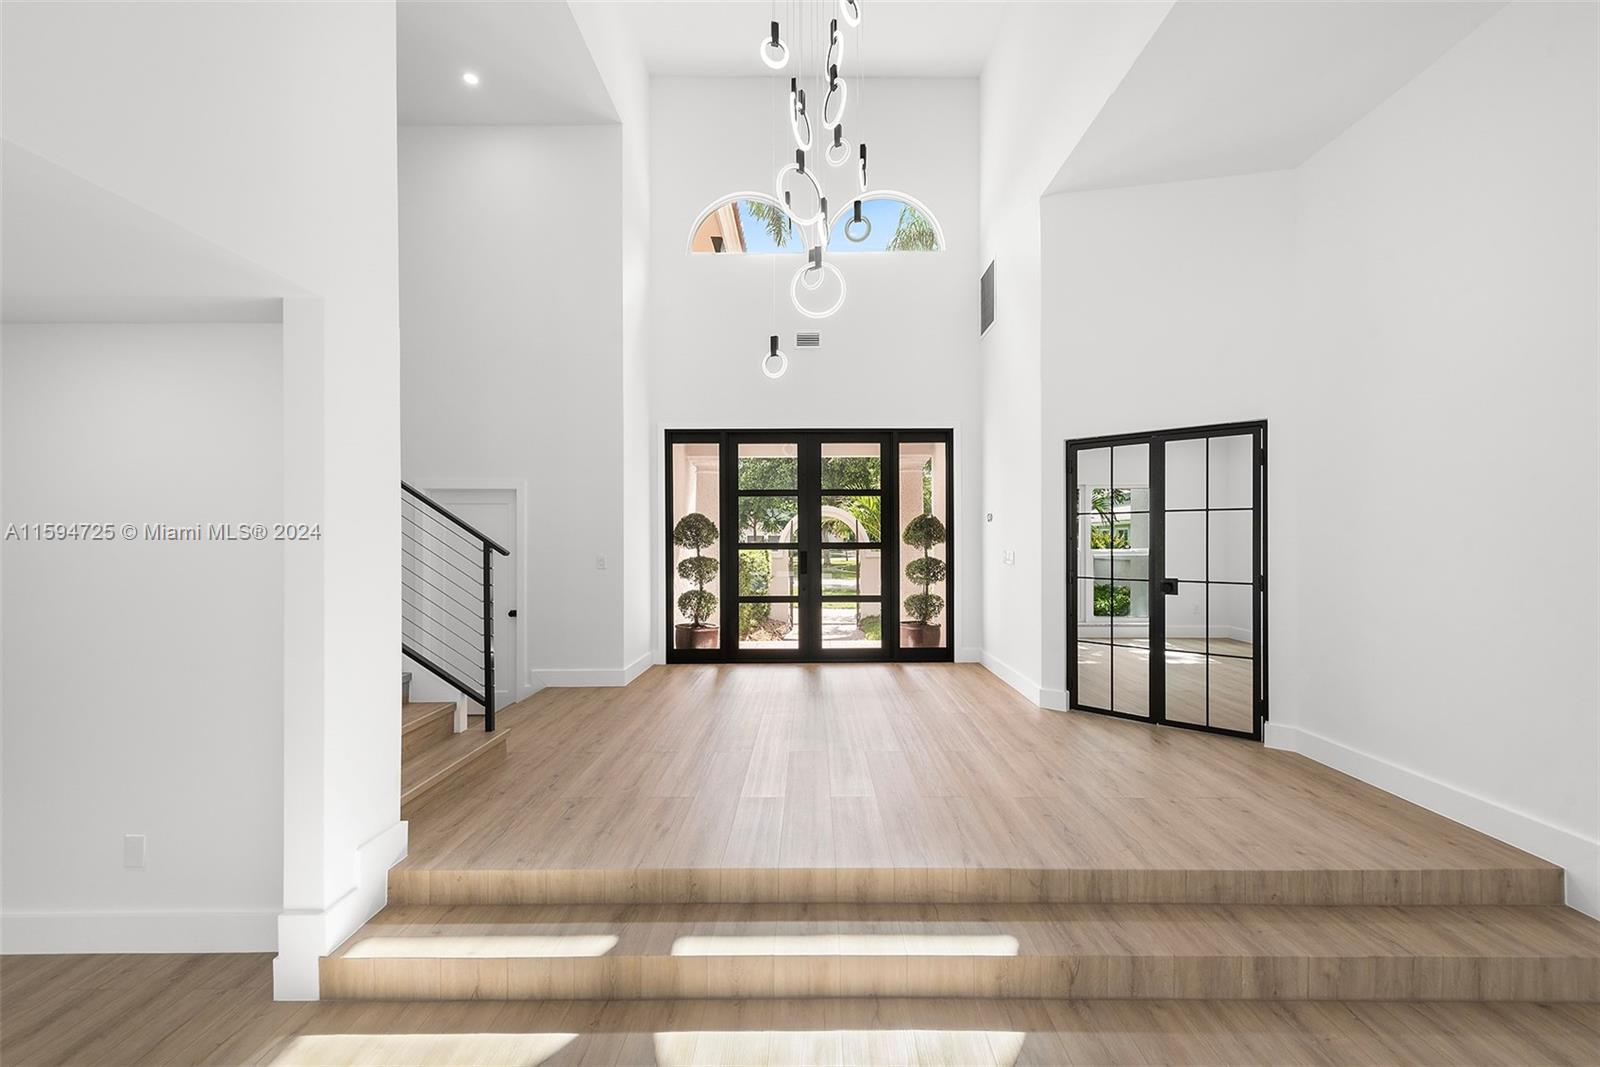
901,353
1061,61
511,258
143,685
1414,312
1448,293
615,54
269,130
1167,306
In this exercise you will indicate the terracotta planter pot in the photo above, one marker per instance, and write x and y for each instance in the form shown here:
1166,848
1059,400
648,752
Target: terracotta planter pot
919,635
691,636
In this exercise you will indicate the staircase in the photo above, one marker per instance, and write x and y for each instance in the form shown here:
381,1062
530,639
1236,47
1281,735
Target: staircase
1496,937
447,599
435,759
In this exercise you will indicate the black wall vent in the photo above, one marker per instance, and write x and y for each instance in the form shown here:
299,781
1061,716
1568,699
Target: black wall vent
986,300
808,340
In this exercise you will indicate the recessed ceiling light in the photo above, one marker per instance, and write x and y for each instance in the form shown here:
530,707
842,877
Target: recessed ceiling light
470,77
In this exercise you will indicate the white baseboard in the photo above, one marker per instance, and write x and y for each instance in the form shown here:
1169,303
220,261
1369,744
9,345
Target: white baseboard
1012,677
305,936
638,667
1053,699
142,930
1577,854
970,654
584,677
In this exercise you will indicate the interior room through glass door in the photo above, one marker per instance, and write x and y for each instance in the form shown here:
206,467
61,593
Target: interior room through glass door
1167,577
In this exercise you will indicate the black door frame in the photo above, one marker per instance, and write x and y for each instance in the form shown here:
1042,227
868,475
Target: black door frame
1157,441
809,492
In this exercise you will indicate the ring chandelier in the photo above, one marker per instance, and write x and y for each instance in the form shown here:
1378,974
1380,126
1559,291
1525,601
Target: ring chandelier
800,188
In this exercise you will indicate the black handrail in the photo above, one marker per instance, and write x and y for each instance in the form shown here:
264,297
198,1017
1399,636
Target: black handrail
489,547
468,527
449,676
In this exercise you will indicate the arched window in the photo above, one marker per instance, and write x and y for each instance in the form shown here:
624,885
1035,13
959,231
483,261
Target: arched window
756,224
890,222
753,223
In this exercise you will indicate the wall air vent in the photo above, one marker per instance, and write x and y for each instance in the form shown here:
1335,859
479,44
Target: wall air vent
808,340
986,300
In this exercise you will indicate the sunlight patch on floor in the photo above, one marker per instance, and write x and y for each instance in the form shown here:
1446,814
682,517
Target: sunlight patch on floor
483,946
786,1048
845,945
422,1050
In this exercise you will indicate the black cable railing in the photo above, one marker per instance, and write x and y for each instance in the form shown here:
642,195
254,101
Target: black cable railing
447,597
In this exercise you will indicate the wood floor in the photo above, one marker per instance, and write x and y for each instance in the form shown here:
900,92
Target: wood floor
933,782
880,864
129,1010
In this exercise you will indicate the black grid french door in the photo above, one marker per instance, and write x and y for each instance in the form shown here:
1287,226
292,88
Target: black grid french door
809,543
1167,577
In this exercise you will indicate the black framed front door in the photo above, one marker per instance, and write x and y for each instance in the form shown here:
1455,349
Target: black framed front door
1166,577
810,544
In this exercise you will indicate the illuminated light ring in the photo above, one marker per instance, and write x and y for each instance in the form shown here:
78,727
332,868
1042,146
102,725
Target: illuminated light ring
774,364
795,116
809,220
852,238
840,89
794,291
850,11
892,194
835,56
700,219
843,148
766,50
809,286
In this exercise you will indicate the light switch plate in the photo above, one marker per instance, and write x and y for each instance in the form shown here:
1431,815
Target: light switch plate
133,850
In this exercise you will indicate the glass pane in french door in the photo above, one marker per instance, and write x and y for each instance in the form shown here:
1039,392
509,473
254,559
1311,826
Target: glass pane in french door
697,585
850,544
1209,644
766,518
923,530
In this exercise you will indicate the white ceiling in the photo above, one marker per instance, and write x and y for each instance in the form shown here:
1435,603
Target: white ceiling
530,56
1237,88
897,38
74,252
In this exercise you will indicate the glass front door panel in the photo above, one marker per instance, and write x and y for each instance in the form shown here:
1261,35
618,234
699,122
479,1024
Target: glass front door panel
696,551
770,625
831,545
922,529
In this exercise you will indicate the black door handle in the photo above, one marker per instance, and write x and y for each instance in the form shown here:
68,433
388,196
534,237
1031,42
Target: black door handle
802,561
1169,586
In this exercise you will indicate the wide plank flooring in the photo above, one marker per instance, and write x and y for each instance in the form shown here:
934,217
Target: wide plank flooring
129,1010
880,766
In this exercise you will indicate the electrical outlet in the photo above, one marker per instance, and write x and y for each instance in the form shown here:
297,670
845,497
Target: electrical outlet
133,850
1009,557
599,563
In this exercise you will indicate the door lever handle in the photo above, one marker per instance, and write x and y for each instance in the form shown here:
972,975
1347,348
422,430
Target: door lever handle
1169,586
802,561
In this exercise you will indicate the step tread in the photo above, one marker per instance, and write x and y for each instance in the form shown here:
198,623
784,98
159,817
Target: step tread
1104,930
418,715
434,765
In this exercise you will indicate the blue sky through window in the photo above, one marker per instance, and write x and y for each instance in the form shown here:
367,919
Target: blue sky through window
884,215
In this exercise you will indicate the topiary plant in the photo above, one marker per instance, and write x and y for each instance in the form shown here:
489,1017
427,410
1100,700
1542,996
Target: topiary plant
924,532
698,532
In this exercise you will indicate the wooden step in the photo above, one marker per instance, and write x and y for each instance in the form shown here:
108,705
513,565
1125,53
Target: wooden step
1139,951
446,764
921,885
423,724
